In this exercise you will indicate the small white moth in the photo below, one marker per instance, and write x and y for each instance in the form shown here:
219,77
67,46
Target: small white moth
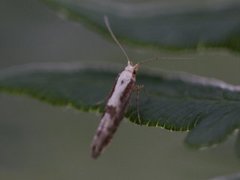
116,104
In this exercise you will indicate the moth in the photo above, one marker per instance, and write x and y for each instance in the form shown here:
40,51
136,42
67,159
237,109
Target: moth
116,103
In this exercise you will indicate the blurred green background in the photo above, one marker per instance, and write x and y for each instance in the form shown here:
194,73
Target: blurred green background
38,141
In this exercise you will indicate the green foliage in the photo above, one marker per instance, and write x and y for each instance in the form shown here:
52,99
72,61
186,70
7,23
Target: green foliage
155,25
207,107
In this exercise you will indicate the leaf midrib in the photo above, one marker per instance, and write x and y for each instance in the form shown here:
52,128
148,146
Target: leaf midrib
194,98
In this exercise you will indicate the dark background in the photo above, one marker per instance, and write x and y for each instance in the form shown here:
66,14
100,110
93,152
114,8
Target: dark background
38,141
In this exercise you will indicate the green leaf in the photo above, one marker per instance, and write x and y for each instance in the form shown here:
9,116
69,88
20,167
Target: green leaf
175,101
157,25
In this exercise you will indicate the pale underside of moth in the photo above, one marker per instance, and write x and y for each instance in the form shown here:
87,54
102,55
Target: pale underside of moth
116,104
115,108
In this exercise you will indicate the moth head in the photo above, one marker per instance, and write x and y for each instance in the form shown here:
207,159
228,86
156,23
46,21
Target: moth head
132,68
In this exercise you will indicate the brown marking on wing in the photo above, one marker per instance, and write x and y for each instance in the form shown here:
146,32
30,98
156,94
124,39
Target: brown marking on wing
111,110
106,130
127,91
109,95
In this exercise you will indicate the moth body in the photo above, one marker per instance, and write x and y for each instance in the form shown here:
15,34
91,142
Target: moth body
115,108
116,104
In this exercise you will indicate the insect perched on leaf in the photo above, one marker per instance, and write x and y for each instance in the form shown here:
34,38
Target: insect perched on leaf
116,104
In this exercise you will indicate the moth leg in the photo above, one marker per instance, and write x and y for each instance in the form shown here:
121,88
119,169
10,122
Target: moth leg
137,88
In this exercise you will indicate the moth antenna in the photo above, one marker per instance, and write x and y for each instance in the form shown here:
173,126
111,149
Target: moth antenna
114,37
163,58
147,60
